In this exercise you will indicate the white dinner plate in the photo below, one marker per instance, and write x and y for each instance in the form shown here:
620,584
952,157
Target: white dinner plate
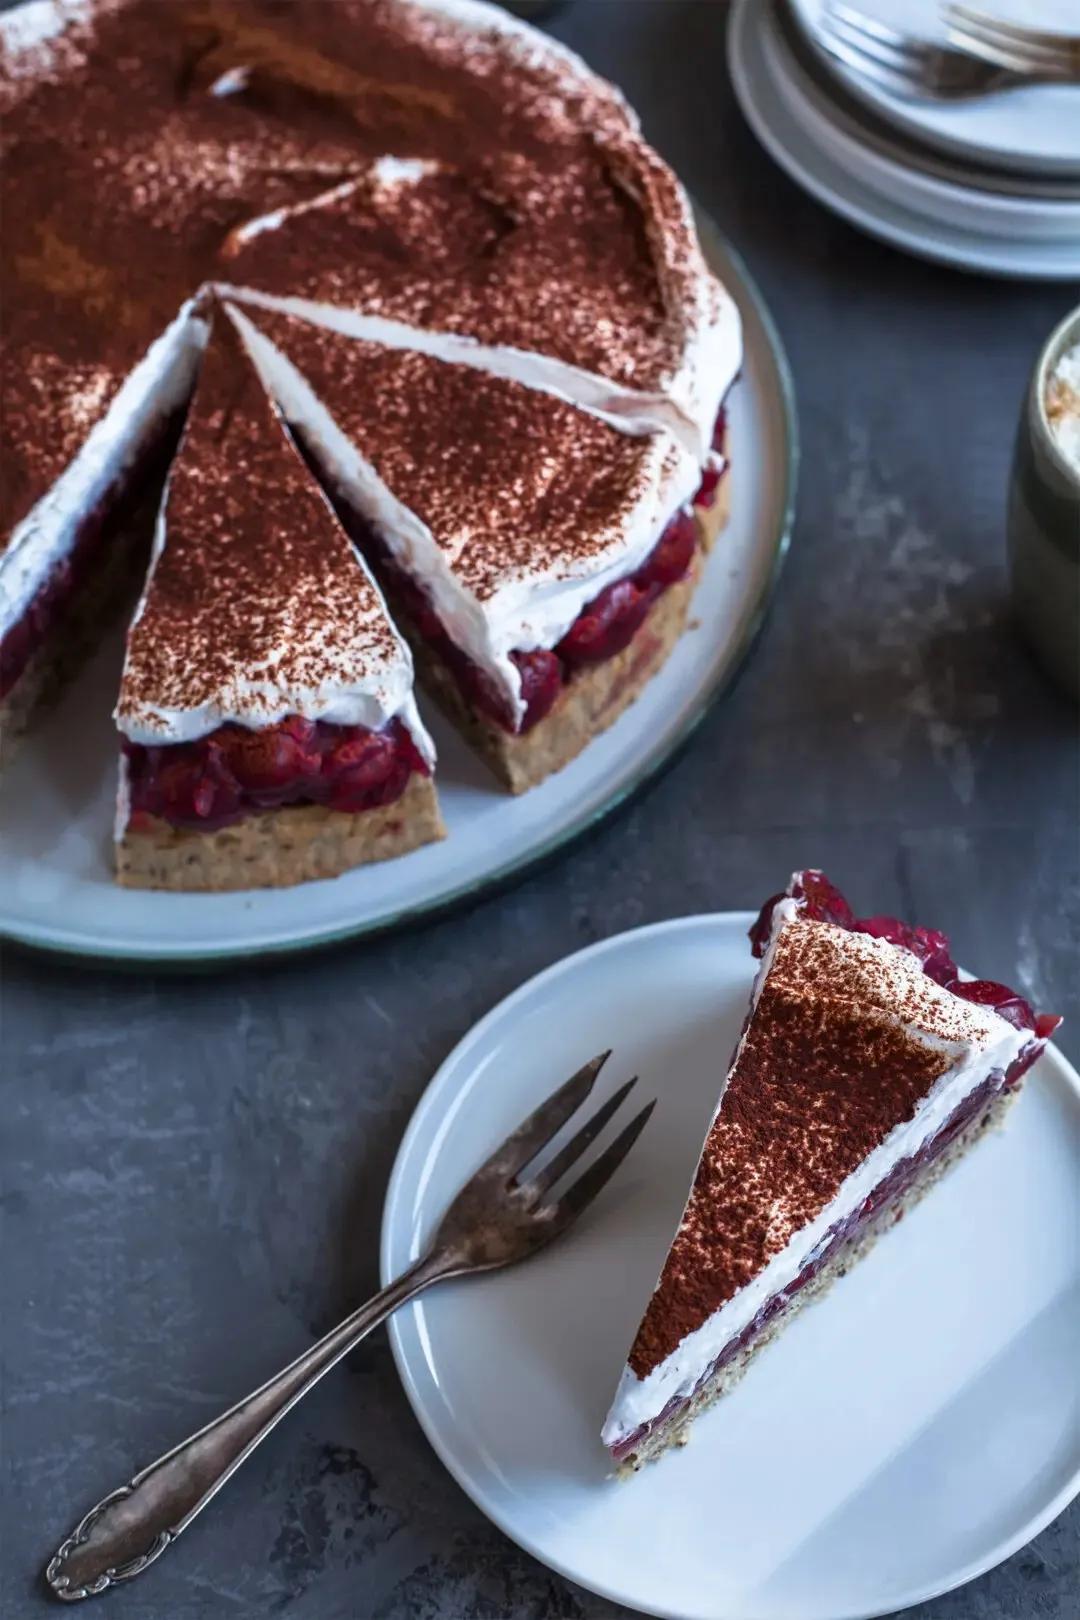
1036,128
905,1434
767,96
56,808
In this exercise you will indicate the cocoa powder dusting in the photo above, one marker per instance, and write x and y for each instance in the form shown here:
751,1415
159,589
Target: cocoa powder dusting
141,138
247,590
832,1061
510,481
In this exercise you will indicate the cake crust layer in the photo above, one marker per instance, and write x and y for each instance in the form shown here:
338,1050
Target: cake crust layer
277,848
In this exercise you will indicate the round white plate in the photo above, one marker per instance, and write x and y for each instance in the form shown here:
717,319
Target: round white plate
56,809
901,1437
1036,128
885,168
766,94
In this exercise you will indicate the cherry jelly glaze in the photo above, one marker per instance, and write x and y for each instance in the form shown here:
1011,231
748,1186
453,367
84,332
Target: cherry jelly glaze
816,897
235,772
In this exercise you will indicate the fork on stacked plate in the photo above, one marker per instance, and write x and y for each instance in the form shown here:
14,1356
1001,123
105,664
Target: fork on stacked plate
950,130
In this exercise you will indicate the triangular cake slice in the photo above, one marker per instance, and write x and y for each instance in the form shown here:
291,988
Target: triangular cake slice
540,561
866,1067
266,707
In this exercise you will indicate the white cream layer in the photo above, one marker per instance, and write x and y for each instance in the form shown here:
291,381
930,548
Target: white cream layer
625,409
159,385
527,612
638,1400
256,699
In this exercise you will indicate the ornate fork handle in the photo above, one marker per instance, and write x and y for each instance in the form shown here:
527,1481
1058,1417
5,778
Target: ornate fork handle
132,1527
500,1216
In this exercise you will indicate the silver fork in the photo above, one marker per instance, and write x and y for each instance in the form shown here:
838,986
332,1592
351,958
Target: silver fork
912,67
500,1216
1014,45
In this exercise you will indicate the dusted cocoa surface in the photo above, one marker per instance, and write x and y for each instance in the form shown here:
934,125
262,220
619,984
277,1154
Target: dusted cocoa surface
545,222
194,1167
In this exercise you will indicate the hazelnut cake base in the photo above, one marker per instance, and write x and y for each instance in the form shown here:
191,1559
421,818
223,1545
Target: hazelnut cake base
277,848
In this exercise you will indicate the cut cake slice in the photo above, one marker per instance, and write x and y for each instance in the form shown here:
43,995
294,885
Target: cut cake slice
540,560
866,1067
266,707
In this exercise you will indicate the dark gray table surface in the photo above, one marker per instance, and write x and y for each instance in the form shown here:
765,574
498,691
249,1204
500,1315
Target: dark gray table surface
193,1169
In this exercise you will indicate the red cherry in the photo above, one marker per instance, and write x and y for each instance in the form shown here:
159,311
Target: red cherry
821,900
706,490
270,761
606,626
672,555
541,683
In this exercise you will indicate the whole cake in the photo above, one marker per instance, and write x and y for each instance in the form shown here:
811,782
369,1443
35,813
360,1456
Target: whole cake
866,1067
469,283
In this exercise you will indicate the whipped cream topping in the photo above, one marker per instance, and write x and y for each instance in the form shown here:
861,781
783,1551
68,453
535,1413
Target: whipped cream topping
990,1046
528,608
1062,405
158,385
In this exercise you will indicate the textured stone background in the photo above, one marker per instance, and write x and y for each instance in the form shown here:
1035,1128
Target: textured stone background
194,1169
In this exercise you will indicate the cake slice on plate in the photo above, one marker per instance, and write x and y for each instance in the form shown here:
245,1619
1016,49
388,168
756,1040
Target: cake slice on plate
540,560
266,707
866,1067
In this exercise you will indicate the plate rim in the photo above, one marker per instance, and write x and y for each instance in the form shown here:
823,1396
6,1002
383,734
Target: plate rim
391,1220
960,250
35,940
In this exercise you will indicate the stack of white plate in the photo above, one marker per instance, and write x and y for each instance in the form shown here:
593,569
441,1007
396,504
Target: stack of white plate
991,184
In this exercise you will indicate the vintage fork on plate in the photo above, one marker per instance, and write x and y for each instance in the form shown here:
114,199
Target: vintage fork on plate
501,1215
1014,45
918,68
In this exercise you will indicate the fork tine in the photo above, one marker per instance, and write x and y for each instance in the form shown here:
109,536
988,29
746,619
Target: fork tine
569,1154
979,24
536,1131
593,1180
873,28
989,50
857,59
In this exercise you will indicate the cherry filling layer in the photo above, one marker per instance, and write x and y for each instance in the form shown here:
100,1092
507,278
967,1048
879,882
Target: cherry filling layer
235,772
847,1231
602,629
103,522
